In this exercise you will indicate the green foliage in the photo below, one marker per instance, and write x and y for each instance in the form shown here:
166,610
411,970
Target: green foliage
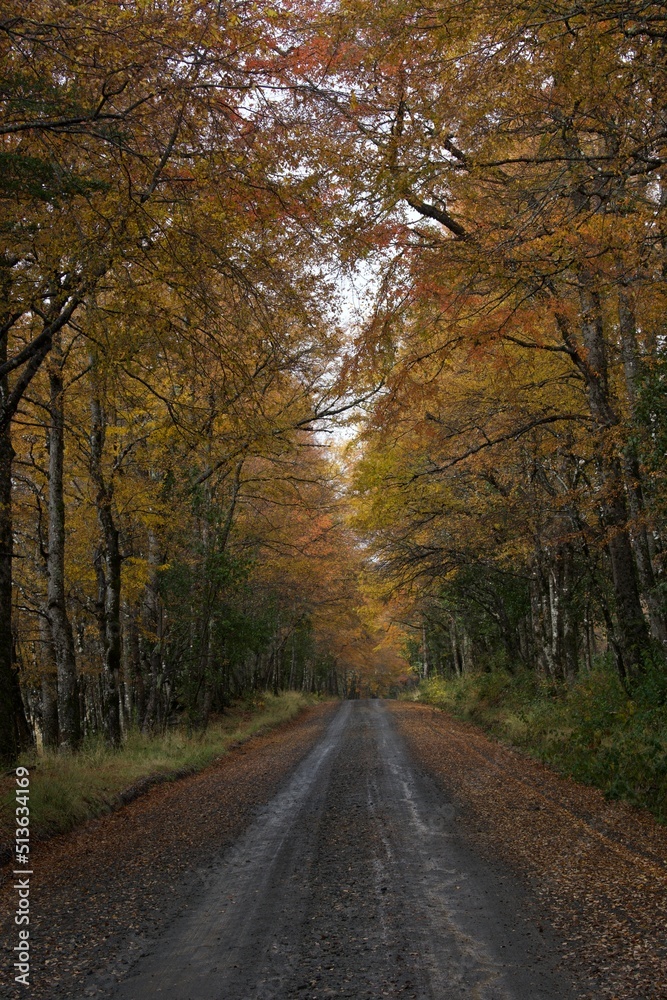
591,731
33,177
211,625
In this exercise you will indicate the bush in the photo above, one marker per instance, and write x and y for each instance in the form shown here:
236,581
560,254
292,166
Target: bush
592,731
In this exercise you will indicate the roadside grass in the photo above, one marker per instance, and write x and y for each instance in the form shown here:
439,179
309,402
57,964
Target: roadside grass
590,730
68,789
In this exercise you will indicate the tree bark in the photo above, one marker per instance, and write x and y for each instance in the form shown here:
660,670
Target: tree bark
454,642
12,714
61,629
156,630
632,633
50,738
9,745
135,693
541,613
46,665
640,538
569,624
109,572
424,652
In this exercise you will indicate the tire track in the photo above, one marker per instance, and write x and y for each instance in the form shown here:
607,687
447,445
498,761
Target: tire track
316,898
606,898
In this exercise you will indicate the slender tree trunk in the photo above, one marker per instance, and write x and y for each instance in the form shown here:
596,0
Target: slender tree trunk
49,696
536,623
541,609
61,629
554,618
111,575
589,638
13,723
569,639
290,684
277,670
639,533
641,548
50,736
127,673
149,720
135,689
466,652
9,704
454,641
424,652
209,673
155,629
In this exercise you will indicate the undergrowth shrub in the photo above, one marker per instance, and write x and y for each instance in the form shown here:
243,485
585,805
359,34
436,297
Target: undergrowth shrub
592,730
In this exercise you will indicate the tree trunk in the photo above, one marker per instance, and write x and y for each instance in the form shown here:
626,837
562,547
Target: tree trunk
155,629
454,640
46,665
134,681
554,619
541,613
13,725
50,735
569,622
424,652
110,576
639,534
632,633
537,642
290,683
9,705
467,663
150,719
61,629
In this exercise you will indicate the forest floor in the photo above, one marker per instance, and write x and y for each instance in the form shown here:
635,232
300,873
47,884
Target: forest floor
367,850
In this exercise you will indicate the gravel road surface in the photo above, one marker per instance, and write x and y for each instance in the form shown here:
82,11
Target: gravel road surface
364,850
354,881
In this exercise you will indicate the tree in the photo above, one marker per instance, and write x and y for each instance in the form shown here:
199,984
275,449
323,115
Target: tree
523,181
130,142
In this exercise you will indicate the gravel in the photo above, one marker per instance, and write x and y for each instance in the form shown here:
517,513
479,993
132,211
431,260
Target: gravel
365,850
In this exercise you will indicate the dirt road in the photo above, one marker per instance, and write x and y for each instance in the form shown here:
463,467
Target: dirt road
362,851
352,883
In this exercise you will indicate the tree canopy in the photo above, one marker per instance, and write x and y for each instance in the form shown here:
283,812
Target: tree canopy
189,192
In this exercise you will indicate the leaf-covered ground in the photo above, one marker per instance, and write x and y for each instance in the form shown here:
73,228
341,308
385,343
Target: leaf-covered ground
117,880
68,789
600,867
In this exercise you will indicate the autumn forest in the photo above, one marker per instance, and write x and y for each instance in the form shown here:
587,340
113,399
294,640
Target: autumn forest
332,352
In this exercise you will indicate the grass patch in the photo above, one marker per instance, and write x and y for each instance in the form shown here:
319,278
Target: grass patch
591,731
66,790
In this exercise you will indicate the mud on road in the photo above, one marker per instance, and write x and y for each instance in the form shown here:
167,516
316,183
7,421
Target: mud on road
365,851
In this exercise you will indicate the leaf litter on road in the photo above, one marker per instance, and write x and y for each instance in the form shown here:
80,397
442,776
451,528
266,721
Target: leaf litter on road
598,867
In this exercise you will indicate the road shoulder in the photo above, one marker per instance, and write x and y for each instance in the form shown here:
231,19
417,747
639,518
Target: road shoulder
599,869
